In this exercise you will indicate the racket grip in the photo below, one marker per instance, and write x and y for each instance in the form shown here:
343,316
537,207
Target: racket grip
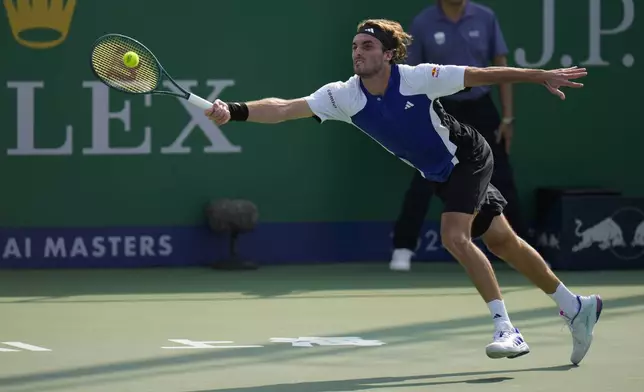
199,102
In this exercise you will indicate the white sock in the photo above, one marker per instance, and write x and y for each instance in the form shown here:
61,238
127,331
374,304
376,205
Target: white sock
500,315
566,300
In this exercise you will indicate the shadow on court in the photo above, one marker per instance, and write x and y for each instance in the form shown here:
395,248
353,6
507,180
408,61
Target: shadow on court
354,385
399,336
275,281
389,382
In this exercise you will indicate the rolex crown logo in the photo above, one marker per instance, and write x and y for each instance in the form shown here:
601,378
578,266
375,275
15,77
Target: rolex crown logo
29,15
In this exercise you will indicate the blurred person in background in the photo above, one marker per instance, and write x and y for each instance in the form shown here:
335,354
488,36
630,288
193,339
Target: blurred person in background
460,32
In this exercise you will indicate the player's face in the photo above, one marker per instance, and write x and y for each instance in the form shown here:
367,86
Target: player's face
454,2
368,56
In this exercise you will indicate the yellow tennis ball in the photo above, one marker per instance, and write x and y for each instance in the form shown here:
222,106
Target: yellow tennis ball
131,59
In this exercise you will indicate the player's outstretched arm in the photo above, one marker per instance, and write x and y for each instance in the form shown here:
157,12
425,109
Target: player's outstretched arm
267,111
552,79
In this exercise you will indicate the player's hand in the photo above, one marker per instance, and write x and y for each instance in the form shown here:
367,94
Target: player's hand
505,133
555,79
219,112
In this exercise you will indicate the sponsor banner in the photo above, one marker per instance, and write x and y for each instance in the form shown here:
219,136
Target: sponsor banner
595,232
106,158
270,243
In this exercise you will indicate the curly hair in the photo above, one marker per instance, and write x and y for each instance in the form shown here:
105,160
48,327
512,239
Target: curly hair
401,38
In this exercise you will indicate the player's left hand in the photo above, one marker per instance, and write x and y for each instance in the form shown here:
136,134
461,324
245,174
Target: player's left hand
554,79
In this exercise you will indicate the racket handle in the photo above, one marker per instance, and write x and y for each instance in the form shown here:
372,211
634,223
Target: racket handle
199,102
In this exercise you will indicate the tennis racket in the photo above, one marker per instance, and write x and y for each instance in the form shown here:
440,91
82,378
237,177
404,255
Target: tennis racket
108,66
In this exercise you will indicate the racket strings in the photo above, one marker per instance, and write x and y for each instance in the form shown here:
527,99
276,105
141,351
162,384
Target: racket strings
107,61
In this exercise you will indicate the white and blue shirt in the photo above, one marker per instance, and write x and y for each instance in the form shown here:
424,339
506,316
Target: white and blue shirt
406,120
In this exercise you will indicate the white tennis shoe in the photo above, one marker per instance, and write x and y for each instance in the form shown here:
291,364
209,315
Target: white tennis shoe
401,260
507,344
582,325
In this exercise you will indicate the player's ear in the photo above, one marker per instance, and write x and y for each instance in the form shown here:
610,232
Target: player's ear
389,55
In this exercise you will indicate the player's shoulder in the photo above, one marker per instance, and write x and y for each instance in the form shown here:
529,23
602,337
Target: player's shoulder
428,78
413,78
344,92
341,98
414,74
345,86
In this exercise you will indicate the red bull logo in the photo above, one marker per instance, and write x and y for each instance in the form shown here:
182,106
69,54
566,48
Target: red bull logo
638,239
608,234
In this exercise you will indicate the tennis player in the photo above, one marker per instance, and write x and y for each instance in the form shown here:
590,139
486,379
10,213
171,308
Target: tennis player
398,106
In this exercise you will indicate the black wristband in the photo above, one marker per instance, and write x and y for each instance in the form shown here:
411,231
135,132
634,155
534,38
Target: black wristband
238,111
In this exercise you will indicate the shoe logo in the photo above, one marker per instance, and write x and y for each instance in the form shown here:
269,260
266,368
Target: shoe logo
409,105
518,341
496,316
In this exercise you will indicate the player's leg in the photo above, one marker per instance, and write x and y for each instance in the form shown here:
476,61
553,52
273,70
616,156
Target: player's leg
485,118
502,241
580,312
410,221
455,234
463,194
503,180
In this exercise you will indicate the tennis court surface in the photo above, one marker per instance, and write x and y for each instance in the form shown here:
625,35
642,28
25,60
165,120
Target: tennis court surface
199,330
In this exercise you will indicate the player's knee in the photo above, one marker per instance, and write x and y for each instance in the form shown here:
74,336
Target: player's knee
501,243
454,239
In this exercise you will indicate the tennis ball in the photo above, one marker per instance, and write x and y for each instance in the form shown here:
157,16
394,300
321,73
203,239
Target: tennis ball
131,59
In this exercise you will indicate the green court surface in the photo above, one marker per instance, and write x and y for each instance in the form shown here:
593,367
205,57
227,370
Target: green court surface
110,330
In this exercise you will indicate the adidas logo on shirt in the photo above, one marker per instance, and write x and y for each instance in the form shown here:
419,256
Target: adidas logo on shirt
408,105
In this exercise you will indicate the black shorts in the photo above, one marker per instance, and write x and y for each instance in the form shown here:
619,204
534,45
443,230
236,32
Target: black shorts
468,188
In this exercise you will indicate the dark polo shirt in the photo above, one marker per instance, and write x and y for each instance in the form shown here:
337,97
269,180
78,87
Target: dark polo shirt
474,40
